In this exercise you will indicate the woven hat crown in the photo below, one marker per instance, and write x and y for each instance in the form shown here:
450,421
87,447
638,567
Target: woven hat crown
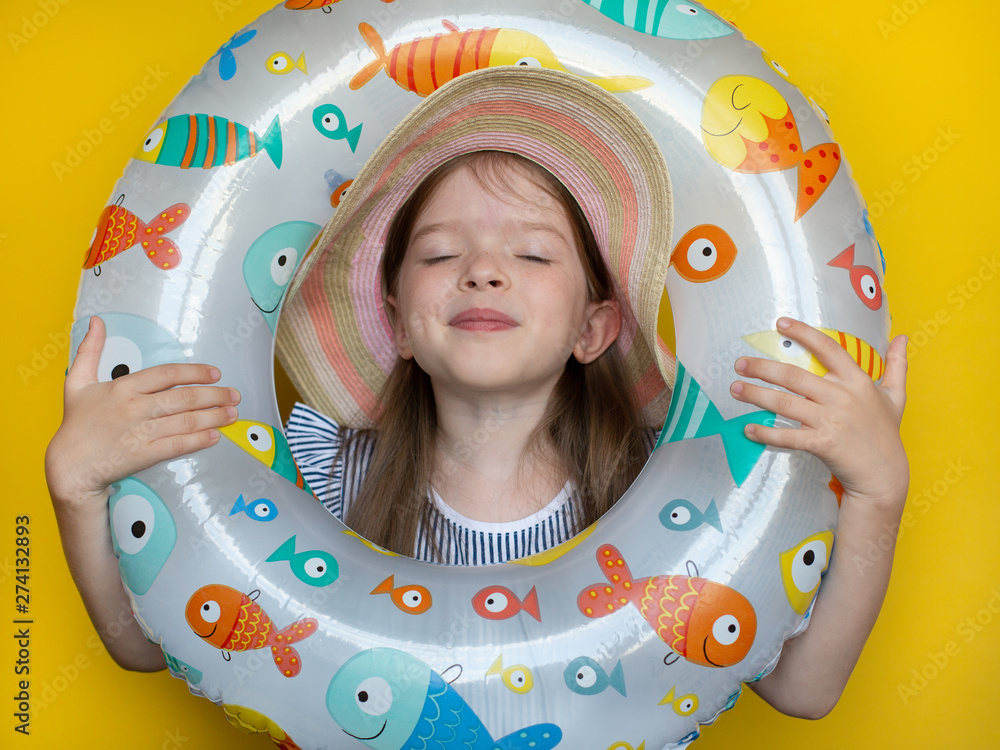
334,337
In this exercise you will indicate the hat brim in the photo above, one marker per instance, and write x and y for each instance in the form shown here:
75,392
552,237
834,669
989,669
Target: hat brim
334,337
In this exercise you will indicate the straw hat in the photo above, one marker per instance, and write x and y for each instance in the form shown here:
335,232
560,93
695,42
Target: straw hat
334,337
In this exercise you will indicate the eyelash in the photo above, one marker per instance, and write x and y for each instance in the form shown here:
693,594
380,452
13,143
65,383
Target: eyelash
533,258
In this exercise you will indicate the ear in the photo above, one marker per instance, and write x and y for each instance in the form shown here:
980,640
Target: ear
399,338
604,322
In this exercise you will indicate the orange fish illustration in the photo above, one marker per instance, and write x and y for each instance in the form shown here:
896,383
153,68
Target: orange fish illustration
119,229
410,598
233,621
704,253
500,603
705,622
864,280
748,127
426,63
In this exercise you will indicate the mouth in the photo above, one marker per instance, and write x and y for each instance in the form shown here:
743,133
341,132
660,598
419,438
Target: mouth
209,635
257,305
365,739
704,651
482,319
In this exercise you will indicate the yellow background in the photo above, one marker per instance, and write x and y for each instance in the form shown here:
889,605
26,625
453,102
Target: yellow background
893,77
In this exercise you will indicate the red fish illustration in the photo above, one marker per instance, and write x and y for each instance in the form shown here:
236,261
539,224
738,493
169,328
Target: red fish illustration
864,280
233,621
748,127
705,622
410,598
119,229
500,603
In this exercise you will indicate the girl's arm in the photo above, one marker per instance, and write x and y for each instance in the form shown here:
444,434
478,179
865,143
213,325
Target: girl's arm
853,426
111,431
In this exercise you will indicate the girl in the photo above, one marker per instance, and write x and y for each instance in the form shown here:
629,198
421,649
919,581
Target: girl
516,289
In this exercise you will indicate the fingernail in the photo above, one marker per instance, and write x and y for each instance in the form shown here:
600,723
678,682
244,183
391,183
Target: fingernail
214,434
231,413
234,395
741,364
737,387
784,323
750,429
214,373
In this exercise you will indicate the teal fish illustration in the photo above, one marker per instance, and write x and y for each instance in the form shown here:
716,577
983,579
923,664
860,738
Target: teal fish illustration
207,141
143,533
270,262
182,669
668,19
330,120
683,515
586,677
268,445
315,567
390,700
133,343
693,415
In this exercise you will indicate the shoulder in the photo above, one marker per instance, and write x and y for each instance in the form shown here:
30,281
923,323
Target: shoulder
315,439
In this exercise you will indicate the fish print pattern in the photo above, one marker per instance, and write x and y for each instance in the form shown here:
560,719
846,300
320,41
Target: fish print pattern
390,700
705,622
118,230
233,621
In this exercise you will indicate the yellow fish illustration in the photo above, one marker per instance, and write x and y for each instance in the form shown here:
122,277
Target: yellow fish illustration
425,64
516,677
748,127
780,347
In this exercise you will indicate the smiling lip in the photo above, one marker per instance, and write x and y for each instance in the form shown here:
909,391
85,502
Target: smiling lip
482,319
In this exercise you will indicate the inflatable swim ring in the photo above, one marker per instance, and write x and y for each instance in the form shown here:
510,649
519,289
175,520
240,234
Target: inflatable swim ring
727,539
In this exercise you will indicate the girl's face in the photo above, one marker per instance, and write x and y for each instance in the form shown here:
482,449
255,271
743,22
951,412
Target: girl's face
492,294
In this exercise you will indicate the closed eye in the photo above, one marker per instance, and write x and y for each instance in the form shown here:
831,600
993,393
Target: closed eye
437,259
536,259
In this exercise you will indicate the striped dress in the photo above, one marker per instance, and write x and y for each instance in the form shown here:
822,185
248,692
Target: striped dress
315,440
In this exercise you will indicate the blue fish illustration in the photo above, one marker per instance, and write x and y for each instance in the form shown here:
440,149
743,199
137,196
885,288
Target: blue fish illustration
227,60
390,700
270,262
143,533
331,122
133,343
683,515
182,669
693,415
668,19
315,567
261,509
586,677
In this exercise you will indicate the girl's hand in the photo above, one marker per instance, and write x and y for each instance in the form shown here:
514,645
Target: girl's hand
847,421
112,430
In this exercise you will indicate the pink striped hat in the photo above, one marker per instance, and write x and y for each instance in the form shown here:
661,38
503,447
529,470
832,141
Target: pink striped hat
334,337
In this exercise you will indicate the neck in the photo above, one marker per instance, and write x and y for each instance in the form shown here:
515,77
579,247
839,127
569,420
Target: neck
481,468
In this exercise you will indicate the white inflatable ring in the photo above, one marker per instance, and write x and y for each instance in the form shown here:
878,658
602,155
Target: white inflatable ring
257,597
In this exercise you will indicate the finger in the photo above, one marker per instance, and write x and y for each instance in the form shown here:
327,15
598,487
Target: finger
782,403
179,434
788,438
191,398
788,376
896,367
83,370
826,350
162,377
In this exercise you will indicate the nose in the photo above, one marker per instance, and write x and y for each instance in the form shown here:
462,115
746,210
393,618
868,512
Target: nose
484,270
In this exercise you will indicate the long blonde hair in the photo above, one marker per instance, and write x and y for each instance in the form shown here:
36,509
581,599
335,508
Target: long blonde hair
591,420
